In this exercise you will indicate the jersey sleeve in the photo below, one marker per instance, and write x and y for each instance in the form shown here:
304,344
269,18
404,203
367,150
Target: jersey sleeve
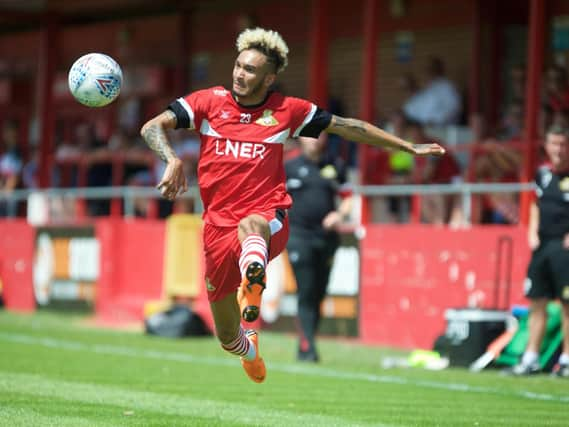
191,109
307,118
320,121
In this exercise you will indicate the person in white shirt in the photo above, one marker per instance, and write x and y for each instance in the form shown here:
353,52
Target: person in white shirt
439,102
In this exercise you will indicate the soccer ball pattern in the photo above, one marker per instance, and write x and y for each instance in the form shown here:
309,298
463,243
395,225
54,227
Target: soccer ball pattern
95,80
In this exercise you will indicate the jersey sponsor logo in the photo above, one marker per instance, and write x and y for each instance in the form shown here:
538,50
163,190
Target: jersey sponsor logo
220,92
237,149
267,119
224,114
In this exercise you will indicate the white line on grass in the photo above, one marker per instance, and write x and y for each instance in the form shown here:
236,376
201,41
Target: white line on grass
279,367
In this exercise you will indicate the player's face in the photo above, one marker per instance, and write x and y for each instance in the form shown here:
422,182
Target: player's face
557,149
252,76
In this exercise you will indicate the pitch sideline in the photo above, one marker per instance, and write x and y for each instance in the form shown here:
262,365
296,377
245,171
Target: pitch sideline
279,367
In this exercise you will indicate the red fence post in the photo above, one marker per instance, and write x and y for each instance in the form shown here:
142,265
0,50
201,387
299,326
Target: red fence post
368,95
536,49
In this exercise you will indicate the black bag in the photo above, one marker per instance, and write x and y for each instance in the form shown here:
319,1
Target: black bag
176,322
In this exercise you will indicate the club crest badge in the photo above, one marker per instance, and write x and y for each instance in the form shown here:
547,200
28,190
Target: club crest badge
267,119
564,184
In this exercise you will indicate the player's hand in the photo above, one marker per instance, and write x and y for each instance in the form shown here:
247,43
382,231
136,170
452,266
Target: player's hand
566,241
428,150
173,181
331,221
533,240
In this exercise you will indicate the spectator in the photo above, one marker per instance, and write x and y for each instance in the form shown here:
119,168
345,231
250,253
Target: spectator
407,85
337,146
401,166
556,96
436,208
87,147
512,124
186,145
496,162
548,236
517,82
499,159
10,168
438,103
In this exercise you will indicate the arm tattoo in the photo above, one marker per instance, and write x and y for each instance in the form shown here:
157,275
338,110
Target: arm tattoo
351,124
156,139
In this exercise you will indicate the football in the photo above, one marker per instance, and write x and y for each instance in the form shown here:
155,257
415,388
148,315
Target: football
95,80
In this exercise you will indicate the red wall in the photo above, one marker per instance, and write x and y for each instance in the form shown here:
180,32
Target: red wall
411,274
16,262
132,260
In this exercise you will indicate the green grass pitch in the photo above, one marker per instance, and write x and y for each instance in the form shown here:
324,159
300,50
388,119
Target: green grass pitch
55,371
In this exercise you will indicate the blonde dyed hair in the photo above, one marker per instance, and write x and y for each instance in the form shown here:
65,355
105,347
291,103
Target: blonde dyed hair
268,42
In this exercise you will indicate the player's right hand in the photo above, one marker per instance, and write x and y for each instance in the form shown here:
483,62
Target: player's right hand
428,149
173,181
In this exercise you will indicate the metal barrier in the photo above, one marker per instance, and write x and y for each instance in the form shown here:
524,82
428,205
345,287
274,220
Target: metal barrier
465,190
129,194
78,196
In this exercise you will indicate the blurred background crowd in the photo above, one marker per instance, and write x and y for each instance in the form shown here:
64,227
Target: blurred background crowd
425,103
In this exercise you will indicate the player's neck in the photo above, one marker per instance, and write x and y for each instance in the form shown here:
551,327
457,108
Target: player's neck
251,102
562,168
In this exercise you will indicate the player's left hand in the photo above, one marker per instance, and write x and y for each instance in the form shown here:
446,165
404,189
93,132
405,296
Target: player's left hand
566,241
173,181
428,150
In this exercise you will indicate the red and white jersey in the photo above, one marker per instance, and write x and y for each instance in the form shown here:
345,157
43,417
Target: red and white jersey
240,170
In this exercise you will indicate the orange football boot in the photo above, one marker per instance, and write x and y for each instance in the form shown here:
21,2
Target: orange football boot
250,291
255,369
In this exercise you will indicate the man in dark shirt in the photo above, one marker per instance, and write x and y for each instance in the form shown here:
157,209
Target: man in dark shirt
548,235
313,180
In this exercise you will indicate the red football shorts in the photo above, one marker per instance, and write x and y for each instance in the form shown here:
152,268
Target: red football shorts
222,250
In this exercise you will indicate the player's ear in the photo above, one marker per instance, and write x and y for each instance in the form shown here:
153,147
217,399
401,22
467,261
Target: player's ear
270,79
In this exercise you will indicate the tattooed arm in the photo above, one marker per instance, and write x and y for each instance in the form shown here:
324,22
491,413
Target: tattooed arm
153,132
364,132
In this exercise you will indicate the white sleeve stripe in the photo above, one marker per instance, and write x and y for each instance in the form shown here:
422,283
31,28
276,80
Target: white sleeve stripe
189,110
306,121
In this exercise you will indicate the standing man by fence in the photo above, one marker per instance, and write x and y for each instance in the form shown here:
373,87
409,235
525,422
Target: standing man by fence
313,180
548,270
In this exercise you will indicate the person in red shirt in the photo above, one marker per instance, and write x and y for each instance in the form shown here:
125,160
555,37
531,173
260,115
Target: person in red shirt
242,179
